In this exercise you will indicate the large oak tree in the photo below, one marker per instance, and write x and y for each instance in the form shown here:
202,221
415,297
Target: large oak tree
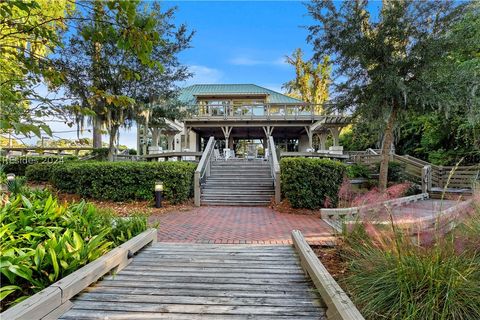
383,57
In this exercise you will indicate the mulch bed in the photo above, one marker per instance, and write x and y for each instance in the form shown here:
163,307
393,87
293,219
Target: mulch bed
285,207
332,260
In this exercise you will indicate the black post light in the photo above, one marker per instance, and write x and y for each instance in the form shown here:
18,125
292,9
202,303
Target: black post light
158,194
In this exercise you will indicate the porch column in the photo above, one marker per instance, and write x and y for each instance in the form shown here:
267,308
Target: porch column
226,132
268,131
335,134
170,139
187,138
322,137
310,137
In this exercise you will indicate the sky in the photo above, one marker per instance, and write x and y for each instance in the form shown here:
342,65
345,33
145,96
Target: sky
234,42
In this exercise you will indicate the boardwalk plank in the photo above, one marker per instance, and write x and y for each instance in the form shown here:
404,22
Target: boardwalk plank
179,281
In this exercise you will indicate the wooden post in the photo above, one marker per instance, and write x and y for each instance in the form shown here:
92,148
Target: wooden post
426,179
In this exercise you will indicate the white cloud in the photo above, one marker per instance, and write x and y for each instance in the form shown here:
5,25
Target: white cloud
203,74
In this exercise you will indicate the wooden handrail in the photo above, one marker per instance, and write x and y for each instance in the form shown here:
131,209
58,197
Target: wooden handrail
203,169
339,305
275,167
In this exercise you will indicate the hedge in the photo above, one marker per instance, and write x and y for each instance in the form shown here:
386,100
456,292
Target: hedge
308,183
18,165
119,181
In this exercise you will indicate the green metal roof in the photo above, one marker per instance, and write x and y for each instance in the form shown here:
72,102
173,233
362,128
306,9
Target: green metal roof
187,95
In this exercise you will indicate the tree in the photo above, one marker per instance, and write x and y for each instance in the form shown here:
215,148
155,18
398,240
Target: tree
311,82
29,31
107,76
382,57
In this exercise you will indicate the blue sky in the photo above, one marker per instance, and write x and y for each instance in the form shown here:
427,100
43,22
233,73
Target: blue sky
234,42
243,41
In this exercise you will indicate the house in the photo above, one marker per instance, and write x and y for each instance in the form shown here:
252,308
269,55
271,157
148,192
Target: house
243,114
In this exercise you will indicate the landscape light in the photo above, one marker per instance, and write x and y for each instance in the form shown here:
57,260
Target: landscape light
158,194
10,176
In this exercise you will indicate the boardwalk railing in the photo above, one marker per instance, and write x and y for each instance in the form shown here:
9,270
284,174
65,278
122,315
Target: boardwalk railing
203,170
42,150
275,167
461,177
54,300
339,305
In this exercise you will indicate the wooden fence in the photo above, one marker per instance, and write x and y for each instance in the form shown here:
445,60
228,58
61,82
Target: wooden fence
457,177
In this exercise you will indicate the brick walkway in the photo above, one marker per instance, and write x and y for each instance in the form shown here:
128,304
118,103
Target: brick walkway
229,225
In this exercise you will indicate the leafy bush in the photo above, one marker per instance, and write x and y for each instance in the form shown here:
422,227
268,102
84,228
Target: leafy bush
311,183
357,170
120,181
39,172
18,165
43,241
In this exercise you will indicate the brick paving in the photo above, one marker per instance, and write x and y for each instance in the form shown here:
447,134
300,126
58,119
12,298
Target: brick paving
236,225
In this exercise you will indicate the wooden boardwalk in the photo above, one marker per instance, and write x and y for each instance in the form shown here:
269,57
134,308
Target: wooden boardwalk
204,281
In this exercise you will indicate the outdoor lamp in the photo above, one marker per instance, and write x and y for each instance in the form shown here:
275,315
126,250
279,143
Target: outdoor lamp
158,194
10,177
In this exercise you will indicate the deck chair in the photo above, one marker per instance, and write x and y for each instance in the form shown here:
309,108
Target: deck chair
217,155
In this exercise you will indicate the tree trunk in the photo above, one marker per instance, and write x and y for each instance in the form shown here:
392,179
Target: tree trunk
97,132
387,145
111,143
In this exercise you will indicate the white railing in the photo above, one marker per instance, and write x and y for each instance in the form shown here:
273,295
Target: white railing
203,170
275,167
260,111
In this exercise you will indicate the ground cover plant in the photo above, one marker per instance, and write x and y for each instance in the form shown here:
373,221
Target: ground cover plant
42,240
390,276
118,181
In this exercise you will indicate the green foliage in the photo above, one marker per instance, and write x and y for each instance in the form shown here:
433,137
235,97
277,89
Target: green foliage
39,172
18,165
43,241
312,81
100,154
311,183
393,277
396,171
357,170
120,181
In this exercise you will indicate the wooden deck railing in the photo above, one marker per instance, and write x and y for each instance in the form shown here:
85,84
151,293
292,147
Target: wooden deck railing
265,111
275,167
203,170
460,177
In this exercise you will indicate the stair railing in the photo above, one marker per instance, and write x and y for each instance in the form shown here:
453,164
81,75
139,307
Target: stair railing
203,170
275,167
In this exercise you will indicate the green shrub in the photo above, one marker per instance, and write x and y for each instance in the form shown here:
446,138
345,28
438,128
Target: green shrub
120,181
39,172
357,170
18,165
310,183
42,241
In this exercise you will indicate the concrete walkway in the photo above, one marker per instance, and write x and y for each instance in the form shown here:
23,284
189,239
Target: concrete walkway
229,225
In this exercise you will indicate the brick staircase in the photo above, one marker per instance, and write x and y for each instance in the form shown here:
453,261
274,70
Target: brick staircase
238,183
